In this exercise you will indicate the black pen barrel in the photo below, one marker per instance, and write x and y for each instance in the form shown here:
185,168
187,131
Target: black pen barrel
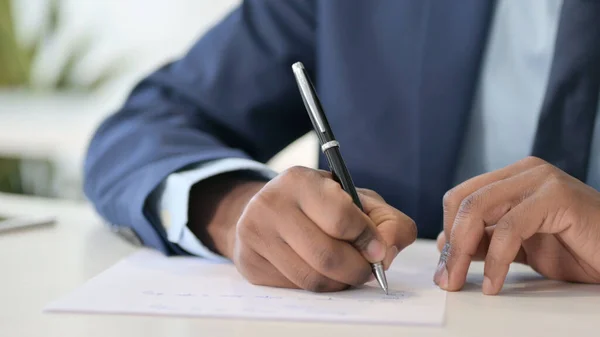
341,174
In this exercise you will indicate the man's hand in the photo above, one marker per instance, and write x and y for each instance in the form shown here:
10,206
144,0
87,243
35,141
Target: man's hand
530,212
302,230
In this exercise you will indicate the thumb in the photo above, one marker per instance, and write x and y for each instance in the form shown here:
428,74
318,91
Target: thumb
396,228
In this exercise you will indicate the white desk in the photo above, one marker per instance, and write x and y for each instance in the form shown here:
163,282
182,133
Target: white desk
41,264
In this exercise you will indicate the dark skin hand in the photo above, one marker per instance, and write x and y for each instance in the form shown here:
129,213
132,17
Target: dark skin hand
529,212
299,230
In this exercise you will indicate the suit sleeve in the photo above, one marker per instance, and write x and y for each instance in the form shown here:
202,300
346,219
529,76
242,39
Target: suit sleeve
232,95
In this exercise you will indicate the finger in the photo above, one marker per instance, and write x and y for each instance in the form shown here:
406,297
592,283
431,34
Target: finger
549,256
332,209
397,229
480,209
333,258
517,225
391,254
453,199
440,241
259,271
482,249
370,193
301,274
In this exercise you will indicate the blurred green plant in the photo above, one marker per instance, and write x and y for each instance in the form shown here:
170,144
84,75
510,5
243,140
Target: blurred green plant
10,180
17,61
13,59
14,71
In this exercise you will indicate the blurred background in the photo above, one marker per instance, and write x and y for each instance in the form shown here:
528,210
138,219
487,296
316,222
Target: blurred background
66,64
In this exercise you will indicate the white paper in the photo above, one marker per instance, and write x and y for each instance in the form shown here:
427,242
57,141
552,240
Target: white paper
148,283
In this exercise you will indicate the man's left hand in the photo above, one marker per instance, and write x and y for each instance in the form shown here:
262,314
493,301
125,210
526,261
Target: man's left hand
529,212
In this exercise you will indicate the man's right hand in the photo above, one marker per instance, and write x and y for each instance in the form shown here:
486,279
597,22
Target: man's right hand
302,230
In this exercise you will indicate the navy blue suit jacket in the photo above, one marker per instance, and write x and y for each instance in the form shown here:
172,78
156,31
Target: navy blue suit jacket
396,79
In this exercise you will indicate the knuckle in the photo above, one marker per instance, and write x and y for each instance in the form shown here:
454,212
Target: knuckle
367,191
263,201
549,171
557,181
246,229
249,229
562,189
503,226
534,161
370,193
268,203
451,199
296,174
557,178
470,204
503,230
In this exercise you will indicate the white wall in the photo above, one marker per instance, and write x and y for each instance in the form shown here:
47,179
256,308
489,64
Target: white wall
147,32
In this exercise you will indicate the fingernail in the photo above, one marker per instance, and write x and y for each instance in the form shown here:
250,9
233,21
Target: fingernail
395,252
390,256
487,287
376,250
371,278
441,275
444,279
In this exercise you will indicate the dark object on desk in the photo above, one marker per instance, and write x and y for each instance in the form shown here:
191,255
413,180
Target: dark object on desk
8,223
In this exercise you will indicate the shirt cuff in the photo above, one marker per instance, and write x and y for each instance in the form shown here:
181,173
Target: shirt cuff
172,199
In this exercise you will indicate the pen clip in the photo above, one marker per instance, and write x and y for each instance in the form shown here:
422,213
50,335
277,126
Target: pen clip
311,102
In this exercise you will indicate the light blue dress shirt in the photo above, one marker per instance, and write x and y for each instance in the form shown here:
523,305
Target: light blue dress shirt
503,121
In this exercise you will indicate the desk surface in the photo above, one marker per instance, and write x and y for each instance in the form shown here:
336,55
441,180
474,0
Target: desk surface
41,264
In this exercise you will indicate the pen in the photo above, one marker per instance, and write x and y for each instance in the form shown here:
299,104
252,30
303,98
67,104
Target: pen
331,150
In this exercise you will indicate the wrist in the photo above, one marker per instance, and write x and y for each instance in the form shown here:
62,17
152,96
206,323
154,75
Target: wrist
215,207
